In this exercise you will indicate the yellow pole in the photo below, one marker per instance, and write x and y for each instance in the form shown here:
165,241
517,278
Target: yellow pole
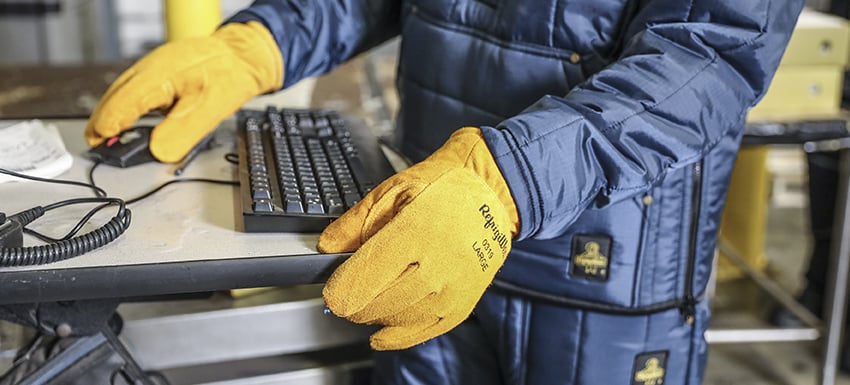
189,18
744,222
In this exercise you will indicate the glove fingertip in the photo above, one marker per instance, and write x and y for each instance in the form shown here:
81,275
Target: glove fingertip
166,153
170,141
92,138
100,127
339,304
345,234
331,241
392,338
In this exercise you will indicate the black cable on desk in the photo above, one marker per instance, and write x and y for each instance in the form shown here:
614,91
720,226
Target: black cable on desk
67,248
70,245
182,180
99,191
73,231
160,187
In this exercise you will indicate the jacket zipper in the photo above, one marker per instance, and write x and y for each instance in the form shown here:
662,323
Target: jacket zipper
689,303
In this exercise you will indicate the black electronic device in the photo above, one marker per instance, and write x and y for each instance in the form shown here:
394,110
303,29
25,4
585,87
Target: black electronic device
760,133
11,233
301,169
126,149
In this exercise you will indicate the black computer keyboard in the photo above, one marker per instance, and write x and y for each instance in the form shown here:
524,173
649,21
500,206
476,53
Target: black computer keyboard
299,169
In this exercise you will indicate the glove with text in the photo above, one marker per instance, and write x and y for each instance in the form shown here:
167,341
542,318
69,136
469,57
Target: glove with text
198,81
428,242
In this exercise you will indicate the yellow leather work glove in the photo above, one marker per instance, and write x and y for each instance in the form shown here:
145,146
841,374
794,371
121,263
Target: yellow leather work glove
198,81
429,241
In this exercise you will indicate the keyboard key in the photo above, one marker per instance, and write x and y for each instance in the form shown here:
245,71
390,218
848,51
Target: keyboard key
320,119
263,206
335,206
294,207
359,171
325,132
315,208
305,124
351,199
262,194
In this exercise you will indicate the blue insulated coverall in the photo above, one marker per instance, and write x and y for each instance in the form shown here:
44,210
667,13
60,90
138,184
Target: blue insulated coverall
616,125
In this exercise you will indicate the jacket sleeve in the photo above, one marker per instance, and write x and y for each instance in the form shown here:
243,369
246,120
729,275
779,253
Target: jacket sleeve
688,73
315,36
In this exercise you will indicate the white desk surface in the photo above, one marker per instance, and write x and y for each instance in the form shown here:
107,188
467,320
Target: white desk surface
183,223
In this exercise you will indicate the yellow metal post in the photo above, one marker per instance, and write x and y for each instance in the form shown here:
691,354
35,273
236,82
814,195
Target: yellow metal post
745,216
190,18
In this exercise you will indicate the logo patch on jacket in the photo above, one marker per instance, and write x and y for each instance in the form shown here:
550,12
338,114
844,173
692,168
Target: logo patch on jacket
590,257
650,368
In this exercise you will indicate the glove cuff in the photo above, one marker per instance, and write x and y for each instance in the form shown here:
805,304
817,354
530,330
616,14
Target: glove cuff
254,45
467,147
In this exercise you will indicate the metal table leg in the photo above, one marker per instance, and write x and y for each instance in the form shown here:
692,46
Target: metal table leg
836,287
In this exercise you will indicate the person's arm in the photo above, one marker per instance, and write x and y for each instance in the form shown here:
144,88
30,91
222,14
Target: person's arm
688,74
316,36
201,81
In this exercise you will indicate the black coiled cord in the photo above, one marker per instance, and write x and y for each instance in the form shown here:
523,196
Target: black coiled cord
66,248
71,246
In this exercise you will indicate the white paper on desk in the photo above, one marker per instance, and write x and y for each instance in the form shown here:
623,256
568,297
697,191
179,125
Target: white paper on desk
32,148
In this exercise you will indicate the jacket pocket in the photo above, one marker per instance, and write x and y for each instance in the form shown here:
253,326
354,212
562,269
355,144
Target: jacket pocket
632,257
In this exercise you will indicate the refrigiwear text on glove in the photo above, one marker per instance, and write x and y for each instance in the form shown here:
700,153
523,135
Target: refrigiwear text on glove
483,249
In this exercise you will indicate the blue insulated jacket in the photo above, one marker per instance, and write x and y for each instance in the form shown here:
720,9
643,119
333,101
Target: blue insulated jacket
616,124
